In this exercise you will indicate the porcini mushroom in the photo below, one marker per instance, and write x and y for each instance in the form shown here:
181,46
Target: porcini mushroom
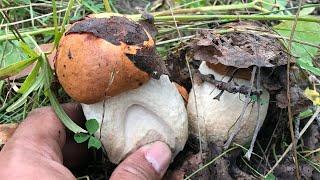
216,118
110,65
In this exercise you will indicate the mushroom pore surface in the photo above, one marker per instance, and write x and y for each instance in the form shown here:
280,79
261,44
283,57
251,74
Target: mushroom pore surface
217,118
152,112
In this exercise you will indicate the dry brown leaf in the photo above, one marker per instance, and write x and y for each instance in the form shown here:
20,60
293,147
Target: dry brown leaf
239,49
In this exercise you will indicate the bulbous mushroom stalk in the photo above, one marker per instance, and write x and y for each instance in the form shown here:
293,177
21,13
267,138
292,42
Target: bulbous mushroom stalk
218,117
154,111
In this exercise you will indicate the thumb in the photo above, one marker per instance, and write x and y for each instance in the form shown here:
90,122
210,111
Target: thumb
147,163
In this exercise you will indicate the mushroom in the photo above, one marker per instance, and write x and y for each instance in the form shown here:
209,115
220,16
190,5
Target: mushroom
217,118
110,65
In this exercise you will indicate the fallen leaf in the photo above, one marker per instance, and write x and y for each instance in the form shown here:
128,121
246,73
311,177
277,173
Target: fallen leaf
239,49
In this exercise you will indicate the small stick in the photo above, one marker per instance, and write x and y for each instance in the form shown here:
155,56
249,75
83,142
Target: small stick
230,79
239,121
257,128
229,86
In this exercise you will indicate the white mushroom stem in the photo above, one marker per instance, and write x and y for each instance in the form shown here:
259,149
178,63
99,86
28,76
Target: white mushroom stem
152,112
217,118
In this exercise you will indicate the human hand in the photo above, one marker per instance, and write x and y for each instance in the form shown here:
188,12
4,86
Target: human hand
35,151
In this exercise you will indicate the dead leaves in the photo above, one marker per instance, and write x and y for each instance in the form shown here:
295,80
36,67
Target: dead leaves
239,49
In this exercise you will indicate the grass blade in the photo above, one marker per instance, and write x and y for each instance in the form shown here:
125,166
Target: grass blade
30,79
66,16
26,49
55,23
107,6
16,68
62,115
36,85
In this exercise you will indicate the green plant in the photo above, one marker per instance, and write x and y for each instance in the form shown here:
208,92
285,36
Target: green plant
92,126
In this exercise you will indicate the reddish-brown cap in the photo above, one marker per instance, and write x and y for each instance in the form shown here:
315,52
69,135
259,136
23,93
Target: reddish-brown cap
100,58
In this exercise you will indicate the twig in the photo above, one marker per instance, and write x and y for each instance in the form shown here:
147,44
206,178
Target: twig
257,128
192,82
293,139
229,80
269,142
229,86
239,121
297,126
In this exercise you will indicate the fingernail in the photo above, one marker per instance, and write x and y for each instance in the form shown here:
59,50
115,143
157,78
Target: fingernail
158,155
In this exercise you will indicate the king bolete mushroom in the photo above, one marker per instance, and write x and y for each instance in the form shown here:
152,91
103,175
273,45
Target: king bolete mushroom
218,117
110,65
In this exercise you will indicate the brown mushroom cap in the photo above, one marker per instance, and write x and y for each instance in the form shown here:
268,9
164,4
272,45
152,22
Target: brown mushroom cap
90,68
98,70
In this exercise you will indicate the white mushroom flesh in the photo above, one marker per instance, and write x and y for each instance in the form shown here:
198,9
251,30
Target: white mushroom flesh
216,119
155,111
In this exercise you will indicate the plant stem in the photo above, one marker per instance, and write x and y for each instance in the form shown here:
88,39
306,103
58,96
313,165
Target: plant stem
107,6
240,17
31,33
290,116
207,9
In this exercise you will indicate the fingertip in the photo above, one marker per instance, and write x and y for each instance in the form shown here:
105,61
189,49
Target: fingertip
159,156
149,162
